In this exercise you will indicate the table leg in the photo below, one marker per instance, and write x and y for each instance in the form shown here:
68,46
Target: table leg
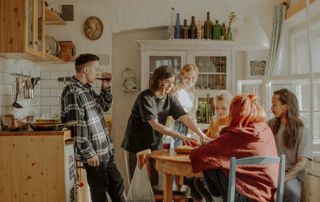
167,187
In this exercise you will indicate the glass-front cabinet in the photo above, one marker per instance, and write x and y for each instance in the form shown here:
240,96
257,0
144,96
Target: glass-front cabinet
214,64
214,60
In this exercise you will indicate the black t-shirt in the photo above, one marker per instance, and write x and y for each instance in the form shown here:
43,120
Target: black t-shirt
139,134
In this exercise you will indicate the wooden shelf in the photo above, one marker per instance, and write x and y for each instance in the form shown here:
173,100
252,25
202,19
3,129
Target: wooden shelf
52,18
50,59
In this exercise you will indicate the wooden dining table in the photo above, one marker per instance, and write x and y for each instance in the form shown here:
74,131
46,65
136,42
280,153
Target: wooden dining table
170,163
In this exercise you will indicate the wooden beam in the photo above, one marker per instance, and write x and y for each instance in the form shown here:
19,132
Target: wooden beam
296,7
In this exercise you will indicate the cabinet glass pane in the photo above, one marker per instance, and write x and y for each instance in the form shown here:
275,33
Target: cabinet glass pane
211,64
216,82
30,24
172,61
202,82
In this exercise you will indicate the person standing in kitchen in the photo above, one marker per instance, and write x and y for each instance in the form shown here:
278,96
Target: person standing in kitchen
293,139
185,91
146,123
93,145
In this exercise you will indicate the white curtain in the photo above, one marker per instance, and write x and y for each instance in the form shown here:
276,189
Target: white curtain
278,58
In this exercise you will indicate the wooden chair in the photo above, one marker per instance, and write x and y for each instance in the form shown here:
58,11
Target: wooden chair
257,160
143,157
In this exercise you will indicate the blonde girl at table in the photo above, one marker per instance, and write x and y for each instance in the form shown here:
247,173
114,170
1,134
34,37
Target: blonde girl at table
150,111
222,102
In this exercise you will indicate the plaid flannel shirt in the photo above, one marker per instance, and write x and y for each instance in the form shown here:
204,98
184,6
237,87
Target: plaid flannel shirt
79,102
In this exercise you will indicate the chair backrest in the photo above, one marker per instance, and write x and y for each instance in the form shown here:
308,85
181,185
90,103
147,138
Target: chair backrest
257,160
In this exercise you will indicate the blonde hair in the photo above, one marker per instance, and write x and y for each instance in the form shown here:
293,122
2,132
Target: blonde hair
223,96
188,68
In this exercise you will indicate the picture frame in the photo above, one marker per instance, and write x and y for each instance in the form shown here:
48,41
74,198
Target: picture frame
257,68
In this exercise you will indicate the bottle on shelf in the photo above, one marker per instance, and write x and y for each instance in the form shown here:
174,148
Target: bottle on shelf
199,30
193,29
229,34
177,32
208,27
185,29
216,30
223,32
171,27
208,109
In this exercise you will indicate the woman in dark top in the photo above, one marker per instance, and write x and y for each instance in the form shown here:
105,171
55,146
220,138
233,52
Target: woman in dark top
146,123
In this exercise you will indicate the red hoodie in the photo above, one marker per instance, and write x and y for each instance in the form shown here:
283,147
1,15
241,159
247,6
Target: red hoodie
256,182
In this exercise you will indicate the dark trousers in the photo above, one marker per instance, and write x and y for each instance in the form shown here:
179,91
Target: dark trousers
217,183
105,178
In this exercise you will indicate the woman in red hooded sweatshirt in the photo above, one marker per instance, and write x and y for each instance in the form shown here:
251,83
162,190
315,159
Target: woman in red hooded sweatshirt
247,135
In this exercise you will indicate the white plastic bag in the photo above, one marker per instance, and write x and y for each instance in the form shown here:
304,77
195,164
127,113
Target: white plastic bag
140,189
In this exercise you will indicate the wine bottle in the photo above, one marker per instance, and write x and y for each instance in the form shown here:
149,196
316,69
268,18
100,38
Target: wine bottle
208,27
216,30
208,108
193,29
170,27
185,30
177,32
223,32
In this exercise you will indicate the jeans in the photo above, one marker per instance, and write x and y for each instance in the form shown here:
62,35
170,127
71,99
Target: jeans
217,183
181,128
292,190
105,178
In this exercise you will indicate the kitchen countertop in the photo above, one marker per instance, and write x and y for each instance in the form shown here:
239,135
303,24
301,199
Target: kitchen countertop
65,133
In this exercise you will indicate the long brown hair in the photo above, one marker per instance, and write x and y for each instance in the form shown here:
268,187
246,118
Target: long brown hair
161,73
245,110
294,121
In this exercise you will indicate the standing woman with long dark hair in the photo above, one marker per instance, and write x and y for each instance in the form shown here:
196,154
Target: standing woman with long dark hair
146,123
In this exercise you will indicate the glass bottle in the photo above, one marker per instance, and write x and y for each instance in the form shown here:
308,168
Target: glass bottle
185,30
216,30
170,27
177,32
208,27
223,32
199,30
207,105
193,29
229,34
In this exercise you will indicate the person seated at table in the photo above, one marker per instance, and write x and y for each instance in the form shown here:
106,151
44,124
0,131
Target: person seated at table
247,135
222,102
149,114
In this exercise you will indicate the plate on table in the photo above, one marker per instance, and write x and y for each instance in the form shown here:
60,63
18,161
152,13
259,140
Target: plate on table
184,149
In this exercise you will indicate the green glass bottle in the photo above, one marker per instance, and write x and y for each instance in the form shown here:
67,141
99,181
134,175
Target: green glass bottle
216,30
208,109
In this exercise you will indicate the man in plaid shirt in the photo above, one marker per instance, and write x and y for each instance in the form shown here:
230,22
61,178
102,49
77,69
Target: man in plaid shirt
93,145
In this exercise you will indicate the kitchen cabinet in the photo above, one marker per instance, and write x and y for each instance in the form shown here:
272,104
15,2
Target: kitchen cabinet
22,30
37,166
213,58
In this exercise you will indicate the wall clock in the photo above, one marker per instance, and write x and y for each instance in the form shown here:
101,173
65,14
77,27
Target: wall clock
93,28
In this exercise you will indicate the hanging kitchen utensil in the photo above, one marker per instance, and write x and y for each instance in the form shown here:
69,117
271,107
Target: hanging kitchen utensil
15,104
34,81
28,88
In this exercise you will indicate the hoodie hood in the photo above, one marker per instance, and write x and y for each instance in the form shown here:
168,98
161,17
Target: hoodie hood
253,131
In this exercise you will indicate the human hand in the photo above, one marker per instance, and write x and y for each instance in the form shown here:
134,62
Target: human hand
94,161
106,80
191,142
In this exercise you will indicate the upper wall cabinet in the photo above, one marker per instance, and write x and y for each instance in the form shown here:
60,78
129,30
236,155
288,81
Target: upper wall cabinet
213,58
22,30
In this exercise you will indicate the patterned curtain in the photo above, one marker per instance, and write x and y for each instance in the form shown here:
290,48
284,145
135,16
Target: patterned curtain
277,61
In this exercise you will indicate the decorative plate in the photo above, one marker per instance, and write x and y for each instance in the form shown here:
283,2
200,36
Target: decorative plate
93,28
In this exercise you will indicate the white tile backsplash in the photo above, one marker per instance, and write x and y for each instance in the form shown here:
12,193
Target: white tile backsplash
47,93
